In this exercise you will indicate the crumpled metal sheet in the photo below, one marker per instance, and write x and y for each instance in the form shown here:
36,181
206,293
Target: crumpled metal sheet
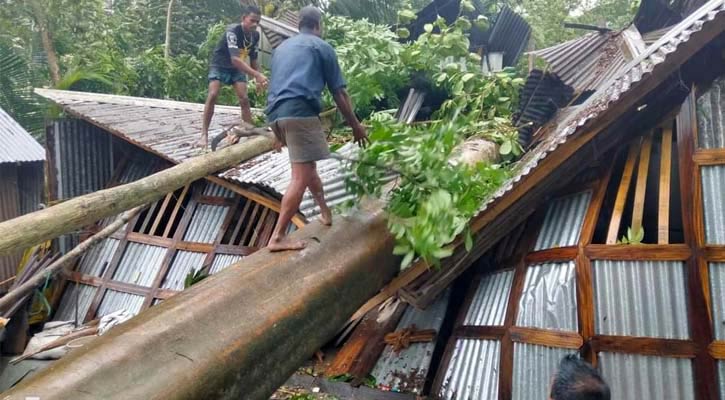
549,297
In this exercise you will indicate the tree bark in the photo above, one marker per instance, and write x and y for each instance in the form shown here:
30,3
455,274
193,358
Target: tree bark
74,214
40,277
47,38
167,46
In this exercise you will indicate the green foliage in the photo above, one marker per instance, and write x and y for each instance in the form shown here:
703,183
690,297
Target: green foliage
193,277
633,236
433,200
369,56
16,91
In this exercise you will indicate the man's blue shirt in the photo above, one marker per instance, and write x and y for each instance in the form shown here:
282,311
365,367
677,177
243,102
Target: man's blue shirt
301,68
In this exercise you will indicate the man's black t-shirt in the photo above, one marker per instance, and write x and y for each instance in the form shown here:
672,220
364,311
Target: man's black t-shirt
234,42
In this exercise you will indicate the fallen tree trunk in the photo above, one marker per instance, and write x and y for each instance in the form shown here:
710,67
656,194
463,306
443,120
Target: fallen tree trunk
74,214
19,293
238,334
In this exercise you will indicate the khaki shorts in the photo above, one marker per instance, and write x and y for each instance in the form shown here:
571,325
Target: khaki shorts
304,137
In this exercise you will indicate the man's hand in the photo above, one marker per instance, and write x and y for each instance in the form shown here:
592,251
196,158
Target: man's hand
261,80
360,135
277,146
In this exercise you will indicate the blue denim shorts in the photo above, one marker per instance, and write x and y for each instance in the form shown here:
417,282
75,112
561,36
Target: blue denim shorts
226,76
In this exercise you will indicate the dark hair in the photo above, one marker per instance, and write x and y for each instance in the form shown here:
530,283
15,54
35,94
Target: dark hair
310,17
577,380
251,10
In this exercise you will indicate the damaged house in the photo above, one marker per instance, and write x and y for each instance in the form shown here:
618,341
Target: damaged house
607,241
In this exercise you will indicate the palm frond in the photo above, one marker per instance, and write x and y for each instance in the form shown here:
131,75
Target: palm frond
16,91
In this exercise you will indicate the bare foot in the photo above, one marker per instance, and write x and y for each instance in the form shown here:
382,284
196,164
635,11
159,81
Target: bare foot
203,142
326,217
284,244
232,138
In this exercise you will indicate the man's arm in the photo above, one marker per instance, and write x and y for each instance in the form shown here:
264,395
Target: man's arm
344,104
247,69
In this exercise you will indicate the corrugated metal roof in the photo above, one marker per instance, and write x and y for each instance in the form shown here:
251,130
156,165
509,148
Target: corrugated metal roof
16,144
628,378
96,260
169,128
222,261
67,309
184,262
206,223
717,293
510,35
140,264
549,297
490,302
711,116
473,371
563,222
641,298
279,29
272,172
214,190
540,98
115,301
713,186
406,370
533,368
610,91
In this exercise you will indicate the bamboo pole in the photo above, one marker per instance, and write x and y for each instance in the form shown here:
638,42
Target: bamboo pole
74,214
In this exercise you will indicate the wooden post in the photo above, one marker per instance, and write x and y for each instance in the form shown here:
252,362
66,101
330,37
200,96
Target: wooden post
34,228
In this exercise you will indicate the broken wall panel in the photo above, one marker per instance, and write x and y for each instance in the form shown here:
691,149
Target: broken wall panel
490,302
641,298
713,190
140,264
406,370
76,300
116,301
472,371
711,116
717,293
670,378
533,368
97,259
563,221
549,297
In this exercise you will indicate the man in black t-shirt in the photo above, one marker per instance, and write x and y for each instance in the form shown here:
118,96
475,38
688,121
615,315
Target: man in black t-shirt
234,58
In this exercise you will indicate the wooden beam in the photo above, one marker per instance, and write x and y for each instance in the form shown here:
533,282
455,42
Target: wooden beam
709,157
645,346
641,186
638,252
480,332
545,337
552,255
663,225
177,207
717,349
622,193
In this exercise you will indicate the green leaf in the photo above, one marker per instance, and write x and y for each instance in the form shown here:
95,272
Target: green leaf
407,260
467,6
505,148
428,28
406,16
469,241
467,77
403,33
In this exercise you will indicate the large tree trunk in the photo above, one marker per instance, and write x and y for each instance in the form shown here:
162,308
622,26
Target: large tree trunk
238,334
74,214
47,38
167,46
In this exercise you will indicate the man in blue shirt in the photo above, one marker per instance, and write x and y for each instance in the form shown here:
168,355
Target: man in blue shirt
301,68
233,59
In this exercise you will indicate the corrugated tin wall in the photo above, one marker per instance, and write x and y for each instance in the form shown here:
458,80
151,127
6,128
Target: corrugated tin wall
563,222
406,370
721,367
473,371
212,189
115,301
206,223
636,377
533,368
9,209
490,302
713,185
221,261
549,297
83,158
31,186
140,264
184,262
97,259
711,116
717,294
641,298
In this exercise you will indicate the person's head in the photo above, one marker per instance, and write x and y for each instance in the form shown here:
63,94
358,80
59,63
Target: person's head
311,20
577,380
250,18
